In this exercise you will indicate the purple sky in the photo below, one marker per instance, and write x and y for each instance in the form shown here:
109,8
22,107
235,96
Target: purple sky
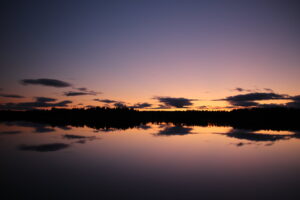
143,51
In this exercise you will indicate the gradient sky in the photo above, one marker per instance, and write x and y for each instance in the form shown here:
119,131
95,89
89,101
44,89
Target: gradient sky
134,51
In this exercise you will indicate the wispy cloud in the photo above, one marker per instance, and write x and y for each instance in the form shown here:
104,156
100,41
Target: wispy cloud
81,92
11,96
141,105
240,89
46,82
40,102
108,101
74,93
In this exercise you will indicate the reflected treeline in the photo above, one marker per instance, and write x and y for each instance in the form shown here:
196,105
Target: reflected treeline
124,118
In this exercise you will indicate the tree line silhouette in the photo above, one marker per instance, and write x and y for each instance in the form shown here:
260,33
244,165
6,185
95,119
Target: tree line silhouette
124,117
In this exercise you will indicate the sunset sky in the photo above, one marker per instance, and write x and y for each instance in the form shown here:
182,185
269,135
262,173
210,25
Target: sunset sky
176,54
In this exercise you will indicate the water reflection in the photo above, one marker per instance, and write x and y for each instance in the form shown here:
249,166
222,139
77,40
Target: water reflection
44,147
184,162
79,138
256,136
170,130
10,132
38,127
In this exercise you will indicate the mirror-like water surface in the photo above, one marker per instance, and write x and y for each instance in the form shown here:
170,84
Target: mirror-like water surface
152,161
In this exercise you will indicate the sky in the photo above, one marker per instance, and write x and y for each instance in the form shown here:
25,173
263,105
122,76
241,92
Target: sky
148,54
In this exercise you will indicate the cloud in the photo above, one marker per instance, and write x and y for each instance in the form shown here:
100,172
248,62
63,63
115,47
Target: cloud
72,93
269,90
82,89
40,102
81,92
71,137
108,101
120,104
239,89
141,105
46,82
10,132
144,127
180,102
43,129
295,103
11,96
249,99
44,99
161,106
256,96
44,147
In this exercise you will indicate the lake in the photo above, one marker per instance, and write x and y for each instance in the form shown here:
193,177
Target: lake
150,161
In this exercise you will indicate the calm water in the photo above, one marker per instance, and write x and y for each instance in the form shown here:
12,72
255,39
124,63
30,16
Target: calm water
153,161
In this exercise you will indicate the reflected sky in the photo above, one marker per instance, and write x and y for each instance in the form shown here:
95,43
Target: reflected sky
150,161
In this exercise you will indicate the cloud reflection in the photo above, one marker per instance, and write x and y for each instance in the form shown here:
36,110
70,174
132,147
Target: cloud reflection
44,147
174,130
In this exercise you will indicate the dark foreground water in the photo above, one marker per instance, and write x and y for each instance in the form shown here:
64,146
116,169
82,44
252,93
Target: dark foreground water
153,161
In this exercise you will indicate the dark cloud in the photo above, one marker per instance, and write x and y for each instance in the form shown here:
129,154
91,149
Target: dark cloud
120,104
71,137
161,106
43,129
74,93
66,128
144,127
239,89
141,105
11,96
108,101
295,103
174,130
249,99
46,82
82,89
10,132
44,147
40,102
81,92
175,102
44,99
256,96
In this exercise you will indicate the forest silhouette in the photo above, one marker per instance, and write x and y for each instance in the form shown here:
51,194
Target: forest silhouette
124,118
